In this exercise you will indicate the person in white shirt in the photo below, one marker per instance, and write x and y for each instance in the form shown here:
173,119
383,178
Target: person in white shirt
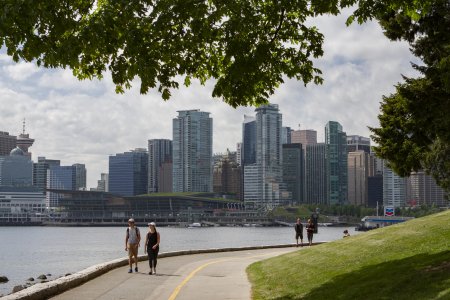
132,242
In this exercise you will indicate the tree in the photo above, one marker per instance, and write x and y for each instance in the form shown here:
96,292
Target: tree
414,132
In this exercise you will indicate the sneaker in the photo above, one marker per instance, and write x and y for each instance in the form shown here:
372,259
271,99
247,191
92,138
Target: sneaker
154,272
150,273
130,271
136,269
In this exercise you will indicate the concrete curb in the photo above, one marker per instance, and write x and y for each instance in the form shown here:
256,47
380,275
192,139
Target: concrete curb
52,288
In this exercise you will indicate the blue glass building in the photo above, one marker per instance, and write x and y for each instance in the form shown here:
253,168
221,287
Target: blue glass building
128,173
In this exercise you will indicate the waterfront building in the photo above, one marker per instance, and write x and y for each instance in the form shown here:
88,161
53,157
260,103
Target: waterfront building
128,173
40,171
423,190
357,142
159,153
336,158
394,188
21,200
16,169
24,141
315,174
358,170
293,171
7,143
60,178
80,176
192,151
227,176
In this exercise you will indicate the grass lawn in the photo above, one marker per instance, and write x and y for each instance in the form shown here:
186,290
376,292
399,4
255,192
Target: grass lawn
405,261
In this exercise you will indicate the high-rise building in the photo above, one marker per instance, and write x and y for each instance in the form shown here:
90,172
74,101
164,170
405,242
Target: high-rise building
336,157
423,190
40,171
165,183
128,173
80,176
252,186
357,142
239,153
103,183
192,151
358,171
248,149
375,190
304,137
286,135
376,165
315,174
159,153
293,171
7,143
269,156
394,188
58,178
16,170
227,176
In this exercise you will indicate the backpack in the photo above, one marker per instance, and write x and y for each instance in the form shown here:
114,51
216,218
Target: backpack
138,234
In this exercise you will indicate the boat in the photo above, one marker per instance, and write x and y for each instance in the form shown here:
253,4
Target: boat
195,225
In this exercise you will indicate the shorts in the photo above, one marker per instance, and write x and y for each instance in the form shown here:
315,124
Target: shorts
132,249
299,235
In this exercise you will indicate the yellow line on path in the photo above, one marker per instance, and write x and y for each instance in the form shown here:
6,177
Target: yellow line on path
183,283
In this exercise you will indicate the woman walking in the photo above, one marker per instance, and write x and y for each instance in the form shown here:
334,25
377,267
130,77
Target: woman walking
152,246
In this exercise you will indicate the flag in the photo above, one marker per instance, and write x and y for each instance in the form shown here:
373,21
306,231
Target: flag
389,211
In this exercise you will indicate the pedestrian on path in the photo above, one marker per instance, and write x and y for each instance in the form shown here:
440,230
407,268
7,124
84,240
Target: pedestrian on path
132,243
152,247
310,231
299,231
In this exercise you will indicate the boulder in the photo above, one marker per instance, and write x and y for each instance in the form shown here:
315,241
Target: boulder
18,288
49,274
3,279
68,274
42,277
30,279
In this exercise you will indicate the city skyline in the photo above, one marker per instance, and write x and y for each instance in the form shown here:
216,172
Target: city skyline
84,122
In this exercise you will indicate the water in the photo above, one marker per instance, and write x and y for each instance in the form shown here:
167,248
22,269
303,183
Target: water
31,251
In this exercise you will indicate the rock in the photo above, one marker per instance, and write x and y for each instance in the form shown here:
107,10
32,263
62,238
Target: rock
18,288
42,277
3,279
49,274
68,274
30,279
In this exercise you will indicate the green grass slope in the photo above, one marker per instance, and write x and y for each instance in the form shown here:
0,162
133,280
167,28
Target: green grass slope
405,261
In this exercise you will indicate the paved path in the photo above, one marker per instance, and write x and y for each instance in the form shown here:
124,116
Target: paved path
200,276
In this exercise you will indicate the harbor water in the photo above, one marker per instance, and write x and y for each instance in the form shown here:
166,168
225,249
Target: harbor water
31,251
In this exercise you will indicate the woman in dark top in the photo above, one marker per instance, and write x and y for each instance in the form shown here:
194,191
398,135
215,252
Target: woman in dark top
310,231
152,247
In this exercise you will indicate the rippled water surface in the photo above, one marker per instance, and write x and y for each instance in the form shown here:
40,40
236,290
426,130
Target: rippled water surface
30,251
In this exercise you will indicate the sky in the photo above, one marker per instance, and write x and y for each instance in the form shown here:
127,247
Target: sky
86,121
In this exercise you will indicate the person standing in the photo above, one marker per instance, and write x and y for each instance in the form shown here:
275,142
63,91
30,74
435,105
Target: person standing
132,242
310,231
152,247
299,231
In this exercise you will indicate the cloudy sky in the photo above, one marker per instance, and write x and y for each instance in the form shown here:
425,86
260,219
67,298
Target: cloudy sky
85,121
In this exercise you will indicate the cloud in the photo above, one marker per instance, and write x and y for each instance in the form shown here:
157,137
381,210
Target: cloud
85,121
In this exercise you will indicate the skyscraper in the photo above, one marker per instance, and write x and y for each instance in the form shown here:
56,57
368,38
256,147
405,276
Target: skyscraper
358,172
128,173
304,137
248,147
357,142
40,171
103,183
24,141
286,135
293,171
315,174
227,176
7,143
192,151
59,178
80,176
336,157
159,153
394,188
423,190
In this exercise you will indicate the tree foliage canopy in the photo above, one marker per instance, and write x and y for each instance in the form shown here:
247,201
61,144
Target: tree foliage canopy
246,45
415,120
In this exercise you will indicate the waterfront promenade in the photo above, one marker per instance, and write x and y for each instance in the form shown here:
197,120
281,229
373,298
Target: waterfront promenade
218,275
